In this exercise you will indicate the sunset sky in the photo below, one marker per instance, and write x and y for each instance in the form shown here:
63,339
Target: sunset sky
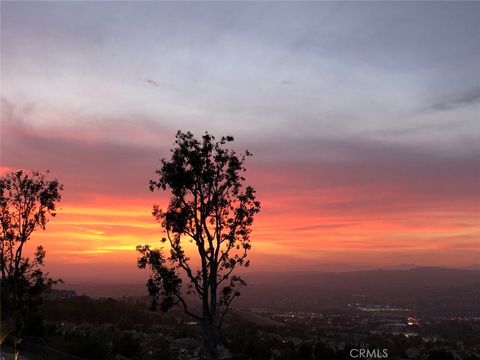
363,118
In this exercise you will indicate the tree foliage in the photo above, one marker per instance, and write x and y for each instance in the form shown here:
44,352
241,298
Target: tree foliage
27,201
212,208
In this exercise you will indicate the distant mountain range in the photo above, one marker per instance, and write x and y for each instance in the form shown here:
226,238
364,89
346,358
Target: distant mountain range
344,267
413,266
473,267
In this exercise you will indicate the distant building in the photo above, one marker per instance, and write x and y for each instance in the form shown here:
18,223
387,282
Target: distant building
412,321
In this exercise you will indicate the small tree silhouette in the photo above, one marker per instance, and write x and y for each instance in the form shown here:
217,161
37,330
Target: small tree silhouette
27,200
210,207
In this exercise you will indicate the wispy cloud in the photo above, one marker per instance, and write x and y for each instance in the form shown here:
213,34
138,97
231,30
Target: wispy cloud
466,98
151,82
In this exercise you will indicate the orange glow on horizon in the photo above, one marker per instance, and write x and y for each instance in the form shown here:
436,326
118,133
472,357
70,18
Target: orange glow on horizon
107,230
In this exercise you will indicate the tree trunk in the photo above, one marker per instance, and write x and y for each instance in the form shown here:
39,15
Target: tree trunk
212,331
210,339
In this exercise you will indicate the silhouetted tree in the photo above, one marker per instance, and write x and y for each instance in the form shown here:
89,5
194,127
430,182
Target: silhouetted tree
27,200
210,207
